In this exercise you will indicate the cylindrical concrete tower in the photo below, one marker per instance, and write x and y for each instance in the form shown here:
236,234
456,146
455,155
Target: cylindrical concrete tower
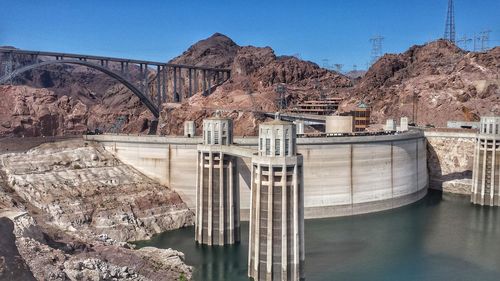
276,239
486,171
217,197
299,126
189,129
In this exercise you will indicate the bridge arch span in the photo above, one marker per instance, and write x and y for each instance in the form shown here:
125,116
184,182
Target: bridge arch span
147,102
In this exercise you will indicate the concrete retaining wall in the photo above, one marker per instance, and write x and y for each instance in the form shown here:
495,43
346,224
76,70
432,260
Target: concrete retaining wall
342,175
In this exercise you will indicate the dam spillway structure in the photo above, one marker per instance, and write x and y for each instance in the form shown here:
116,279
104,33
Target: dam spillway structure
276,235
486,171
217,196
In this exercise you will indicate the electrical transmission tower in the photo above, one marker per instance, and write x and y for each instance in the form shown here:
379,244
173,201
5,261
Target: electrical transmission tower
482,41
463,42
326,63
449,31
338,67
376,48
281,90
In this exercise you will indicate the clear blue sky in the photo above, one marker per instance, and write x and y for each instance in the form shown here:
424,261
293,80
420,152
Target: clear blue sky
159,30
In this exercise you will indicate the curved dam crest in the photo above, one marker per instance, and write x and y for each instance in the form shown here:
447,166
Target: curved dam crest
342,175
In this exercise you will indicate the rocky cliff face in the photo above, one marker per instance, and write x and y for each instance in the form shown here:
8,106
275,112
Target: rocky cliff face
448,82
451,84
74,206
82,188
450,161
46,259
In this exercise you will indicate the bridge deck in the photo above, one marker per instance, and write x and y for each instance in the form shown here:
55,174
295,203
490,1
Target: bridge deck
114,59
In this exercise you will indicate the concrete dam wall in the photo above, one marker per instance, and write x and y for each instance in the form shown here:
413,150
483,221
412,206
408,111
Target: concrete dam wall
342,175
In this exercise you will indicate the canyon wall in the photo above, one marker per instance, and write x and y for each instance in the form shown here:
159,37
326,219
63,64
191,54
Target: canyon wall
69,208
450,159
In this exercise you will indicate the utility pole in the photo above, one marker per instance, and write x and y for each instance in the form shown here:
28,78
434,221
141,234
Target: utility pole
376,48
449,30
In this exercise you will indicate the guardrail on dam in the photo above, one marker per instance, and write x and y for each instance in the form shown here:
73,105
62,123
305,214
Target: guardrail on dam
342,175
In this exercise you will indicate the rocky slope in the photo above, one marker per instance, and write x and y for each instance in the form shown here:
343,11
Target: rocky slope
67,99
451,84
40,258
80,186
450,160
74,206
255,74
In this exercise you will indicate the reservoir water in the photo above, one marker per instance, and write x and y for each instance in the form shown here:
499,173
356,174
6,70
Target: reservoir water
437,238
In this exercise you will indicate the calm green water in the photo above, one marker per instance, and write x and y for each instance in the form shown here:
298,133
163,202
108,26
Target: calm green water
434,239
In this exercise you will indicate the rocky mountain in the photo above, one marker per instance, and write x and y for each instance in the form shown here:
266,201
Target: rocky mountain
216,51
66,99
255,74
448,83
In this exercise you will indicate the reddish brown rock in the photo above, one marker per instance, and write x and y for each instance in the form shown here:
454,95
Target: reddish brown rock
451,84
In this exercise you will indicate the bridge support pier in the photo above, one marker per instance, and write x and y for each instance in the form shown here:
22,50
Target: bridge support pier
164,88
175,94
217,203
190,82
204,77
276,240
209,90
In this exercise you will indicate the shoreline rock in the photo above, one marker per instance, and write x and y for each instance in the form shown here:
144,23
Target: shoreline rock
74,206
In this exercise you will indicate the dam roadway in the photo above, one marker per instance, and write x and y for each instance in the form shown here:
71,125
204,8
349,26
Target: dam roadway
342,175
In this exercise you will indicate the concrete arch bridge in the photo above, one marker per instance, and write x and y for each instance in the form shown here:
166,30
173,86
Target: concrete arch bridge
152,90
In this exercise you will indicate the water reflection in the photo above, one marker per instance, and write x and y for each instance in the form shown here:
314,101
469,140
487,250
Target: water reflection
437,238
